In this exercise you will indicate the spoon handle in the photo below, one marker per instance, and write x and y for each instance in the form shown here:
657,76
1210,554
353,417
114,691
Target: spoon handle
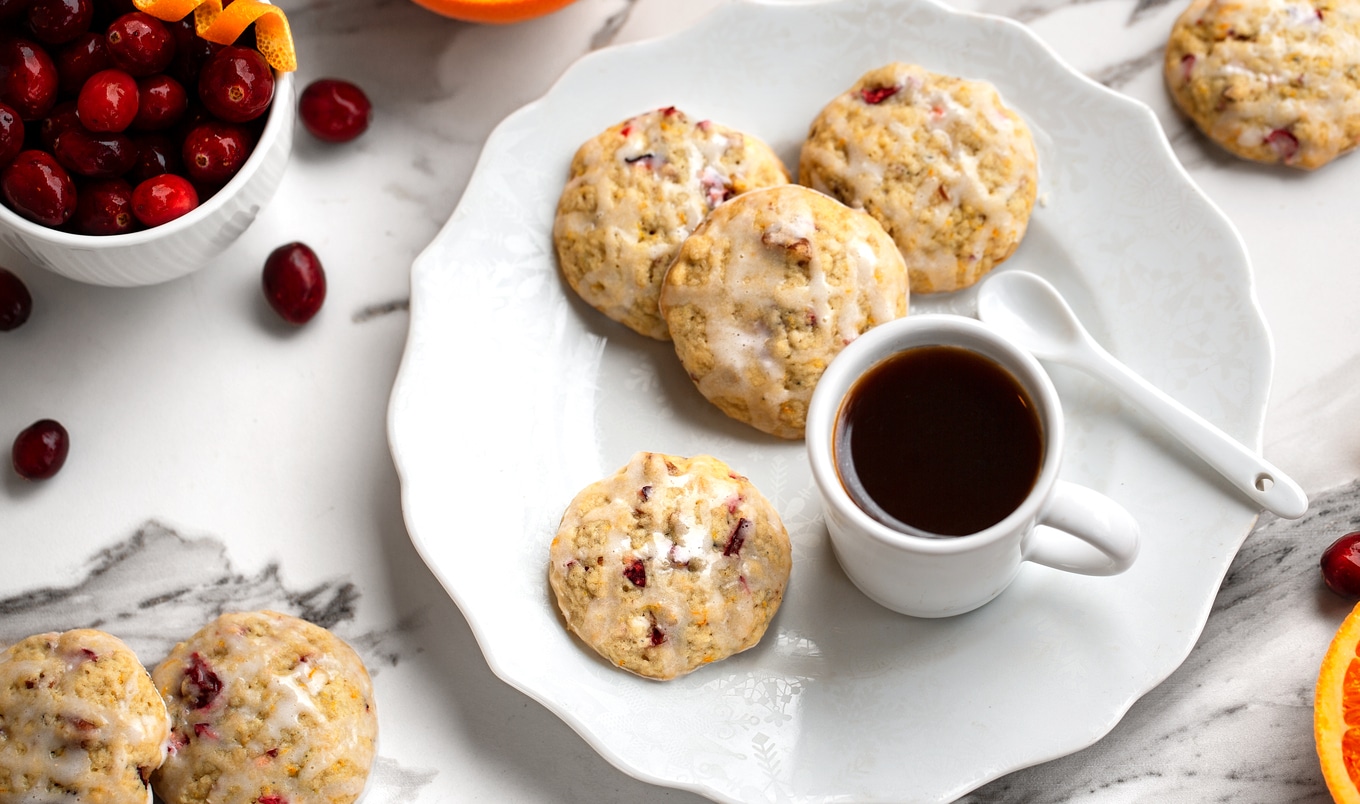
1270,488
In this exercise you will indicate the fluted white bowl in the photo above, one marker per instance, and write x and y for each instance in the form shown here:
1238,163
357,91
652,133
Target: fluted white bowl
173,249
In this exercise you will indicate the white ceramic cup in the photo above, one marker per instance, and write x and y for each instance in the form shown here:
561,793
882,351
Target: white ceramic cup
1060,524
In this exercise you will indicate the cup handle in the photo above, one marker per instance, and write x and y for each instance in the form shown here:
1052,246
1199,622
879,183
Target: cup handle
1094,520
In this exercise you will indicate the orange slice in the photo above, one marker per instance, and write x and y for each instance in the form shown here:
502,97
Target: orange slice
222,25
1336,712
494,11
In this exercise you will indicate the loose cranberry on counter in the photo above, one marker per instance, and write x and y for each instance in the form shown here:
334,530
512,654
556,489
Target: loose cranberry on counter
334,110
38,188
40,450
11,134
161,199
1341,565
236,84
56,22
16,303
294,282
108,101
105,208
140,44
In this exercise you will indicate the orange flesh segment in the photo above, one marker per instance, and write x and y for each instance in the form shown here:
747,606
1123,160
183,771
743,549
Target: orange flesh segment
214,23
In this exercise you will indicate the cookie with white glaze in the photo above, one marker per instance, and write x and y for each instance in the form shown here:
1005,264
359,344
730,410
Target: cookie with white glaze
948,169
669,564
80,721
266,709
768,290
1273,81
636,190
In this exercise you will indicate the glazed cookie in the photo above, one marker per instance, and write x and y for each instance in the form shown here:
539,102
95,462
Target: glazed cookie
940,161
636,191
1275,81
669,564
768,290
267,709
80,721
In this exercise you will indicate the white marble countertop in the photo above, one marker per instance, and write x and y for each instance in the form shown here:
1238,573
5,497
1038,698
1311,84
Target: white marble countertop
221,459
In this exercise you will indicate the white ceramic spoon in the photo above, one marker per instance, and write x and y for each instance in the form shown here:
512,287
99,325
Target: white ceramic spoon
1031,312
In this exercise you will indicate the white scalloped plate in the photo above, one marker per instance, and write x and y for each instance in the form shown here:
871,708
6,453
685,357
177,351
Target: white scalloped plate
513,395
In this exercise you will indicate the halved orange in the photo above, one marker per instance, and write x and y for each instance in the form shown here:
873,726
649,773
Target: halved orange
1336,712
494,11
213,22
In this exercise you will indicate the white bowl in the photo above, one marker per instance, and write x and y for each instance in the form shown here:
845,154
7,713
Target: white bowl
173,249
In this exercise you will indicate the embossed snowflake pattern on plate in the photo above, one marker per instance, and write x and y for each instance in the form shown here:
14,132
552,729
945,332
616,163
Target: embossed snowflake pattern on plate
513,395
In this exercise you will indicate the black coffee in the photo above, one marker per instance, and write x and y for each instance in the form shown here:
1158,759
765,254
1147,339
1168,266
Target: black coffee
939,438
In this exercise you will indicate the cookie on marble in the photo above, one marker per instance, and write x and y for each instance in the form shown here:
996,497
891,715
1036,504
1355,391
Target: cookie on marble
1274,81
266,709
669,564
636,191
80,721
948,169
768,290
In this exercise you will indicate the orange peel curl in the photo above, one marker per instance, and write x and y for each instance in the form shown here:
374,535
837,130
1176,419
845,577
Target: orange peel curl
223,25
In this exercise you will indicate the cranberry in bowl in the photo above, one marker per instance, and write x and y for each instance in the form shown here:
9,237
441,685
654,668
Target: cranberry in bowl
163,242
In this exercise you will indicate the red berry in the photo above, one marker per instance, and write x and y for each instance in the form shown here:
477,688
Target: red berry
201,686
334,110
1341,565
156,154
62,117
10,9
140,44
236,84
1284,143
40,450
876,95
214,151
161,199
294,282
161,103
636,573
100,156
738,537
38,188
79,59
108,101
11,134
55,22
190,52
16,303
30,78
105,208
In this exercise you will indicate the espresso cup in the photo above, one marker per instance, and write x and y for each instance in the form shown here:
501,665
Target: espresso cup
951,561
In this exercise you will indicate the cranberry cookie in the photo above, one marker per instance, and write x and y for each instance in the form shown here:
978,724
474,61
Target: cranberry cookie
80,721
636,191
947,168
1274,81
768,290
669,564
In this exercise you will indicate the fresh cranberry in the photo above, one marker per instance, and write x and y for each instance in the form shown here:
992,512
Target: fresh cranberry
140,44
38,188
161,103
104,207
334,110
30,78
294,282
108,101
200,686
40,450
191,51
62,117
79,59
1341,565
156,154
56,22
214,151
16,303
876,95
11,134
13,9
161,199
236,84
97,155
